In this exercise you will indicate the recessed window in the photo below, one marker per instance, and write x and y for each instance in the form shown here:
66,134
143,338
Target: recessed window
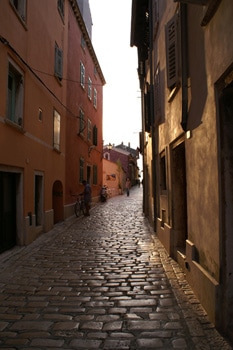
56,130
163,173
60,6
82,75
83,42
89,130
95,98
89,92
40,114
95,174
81,122
95,135
20,6
58,62
81,170
15,94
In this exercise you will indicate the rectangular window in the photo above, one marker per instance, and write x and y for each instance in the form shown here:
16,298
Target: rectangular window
95,135
81,170
15,94
95,173
163,176
82,75
157,94
60,6
89,92
89,130
83,42
56,130
81,122
95,98
20,6
58,62
40,114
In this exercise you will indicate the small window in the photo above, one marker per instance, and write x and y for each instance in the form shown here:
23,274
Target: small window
95,98
81,170
81,122
95,175
15,95
89,130
82,75
56,130
20,6
60,6
40,114
58,62
89,93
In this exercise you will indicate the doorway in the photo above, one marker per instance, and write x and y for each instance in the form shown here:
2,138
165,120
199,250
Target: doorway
7,210
179,197
89,174
58,202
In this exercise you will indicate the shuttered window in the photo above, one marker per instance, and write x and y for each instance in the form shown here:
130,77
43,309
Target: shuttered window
58,62
172,52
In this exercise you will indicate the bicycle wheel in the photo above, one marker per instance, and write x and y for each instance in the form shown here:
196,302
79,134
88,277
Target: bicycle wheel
77,209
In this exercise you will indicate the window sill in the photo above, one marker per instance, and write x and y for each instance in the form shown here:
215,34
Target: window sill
14,125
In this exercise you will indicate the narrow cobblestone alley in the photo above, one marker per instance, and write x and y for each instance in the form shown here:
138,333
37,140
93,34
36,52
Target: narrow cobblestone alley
100,282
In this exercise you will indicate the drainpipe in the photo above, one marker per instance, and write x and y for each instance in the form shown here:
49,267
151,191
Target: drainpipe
184,64
152,112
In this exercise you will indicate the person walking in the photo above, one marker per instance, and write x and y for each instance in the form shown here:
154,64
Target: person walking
87,197
127,186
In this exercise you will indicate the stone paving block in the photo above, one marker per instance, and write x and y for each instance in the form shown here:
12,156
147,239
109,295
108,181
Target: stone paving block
92,325
138,303
85,344
116,344
113,326
3,325
142,325
179,344
31,325
149,343
48,343
65,325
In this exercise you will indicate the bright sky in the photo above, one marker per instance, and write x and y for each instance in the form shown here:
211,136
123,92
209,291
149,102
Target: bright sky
118,60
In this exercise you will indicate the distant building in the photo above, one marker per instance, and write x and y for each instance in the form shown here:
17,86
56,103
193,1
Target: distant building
128,159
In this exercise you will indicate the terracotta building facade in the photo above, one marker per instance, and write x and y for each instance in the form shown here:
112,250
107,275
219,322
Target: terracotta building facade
186,76
37,72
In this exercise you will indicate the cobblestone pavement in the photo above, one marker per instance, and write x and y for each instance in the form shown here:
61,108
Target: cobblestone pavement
100,282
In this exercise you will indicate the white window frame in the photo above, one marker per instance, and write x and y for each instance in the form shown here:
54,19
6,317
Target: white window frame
81,122
82,75
95,98
89,91
89,129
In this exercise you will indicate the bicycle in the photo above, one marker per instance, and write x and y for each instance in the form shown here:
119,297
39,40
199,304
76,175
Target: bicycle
79,206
